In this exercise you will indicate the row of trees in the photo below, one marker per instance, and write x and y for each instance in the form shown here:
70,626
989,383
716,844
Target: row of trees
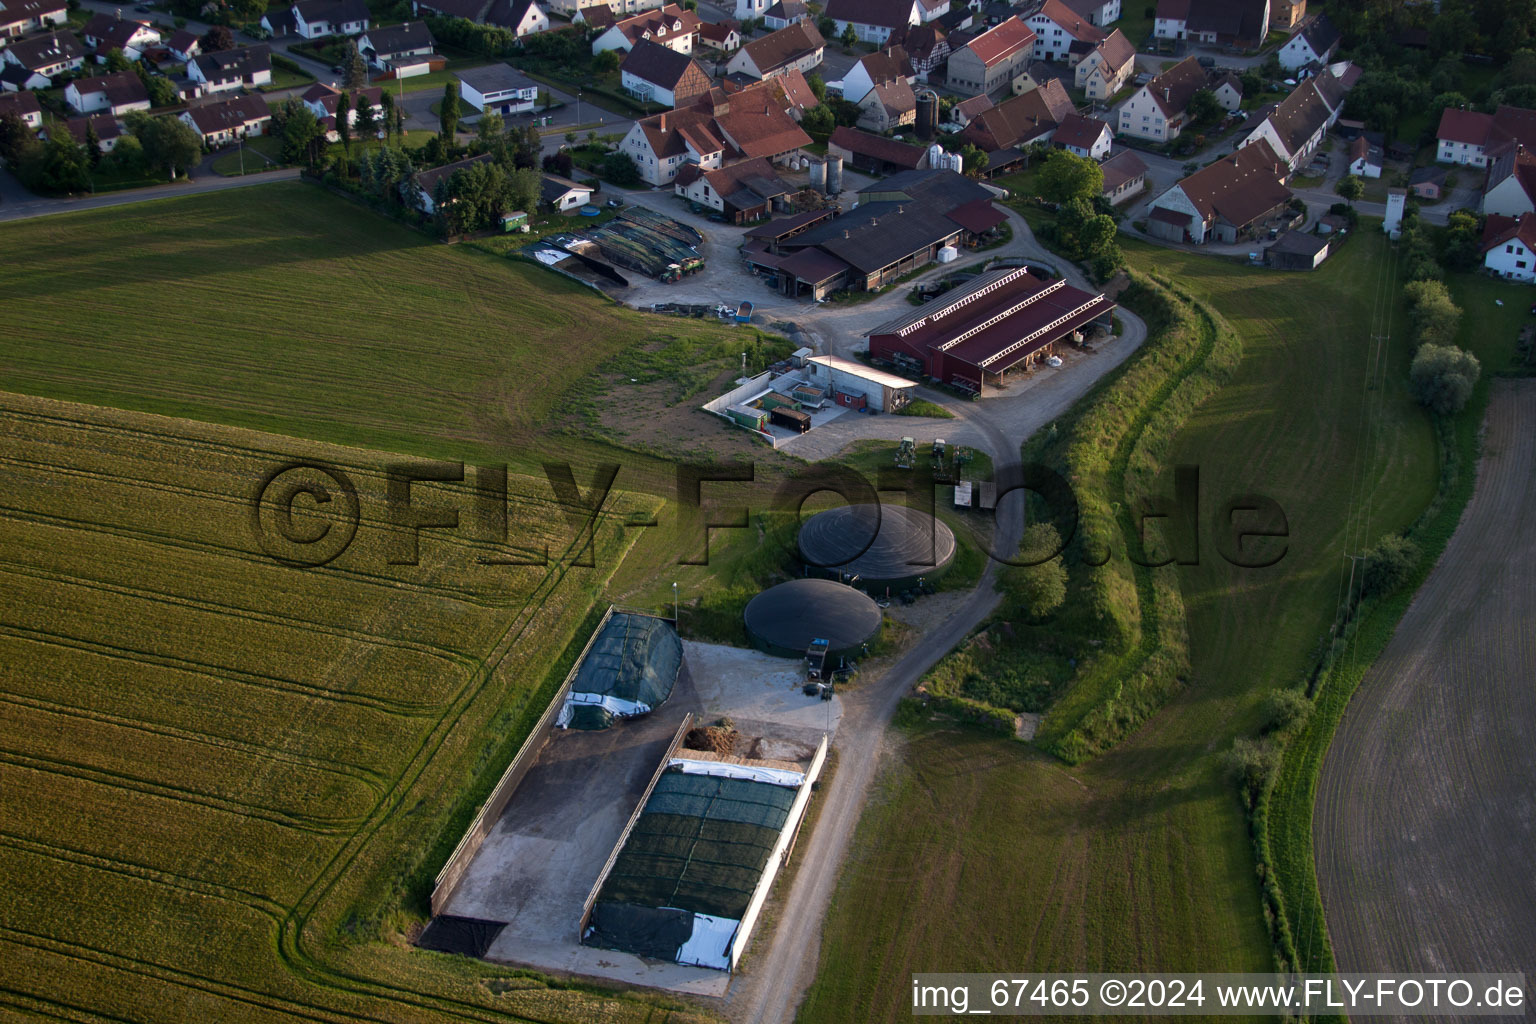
1442,375
1085,227
160,146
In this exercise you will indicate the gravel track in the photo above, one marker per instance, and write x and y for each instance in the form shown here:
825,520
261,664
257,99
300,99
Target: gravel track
1426,808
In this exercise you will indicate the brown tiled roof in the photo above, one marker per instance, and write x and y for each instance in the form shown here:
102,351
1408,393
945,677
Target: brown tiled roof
969,108
427,180
1175,10
121,87
661,65
182,39
44,51
1239,188
1124,166
111,29
776,49
1020,119
666,23
1081,132
1300,115
797,91
765,130
886,65
19,103
226,115
1074,24
328,97
717,31
1517,162
919,40
1500,229
896,97
1002,41
880,13
599,16
1116,50
877,146
1172,89
106,127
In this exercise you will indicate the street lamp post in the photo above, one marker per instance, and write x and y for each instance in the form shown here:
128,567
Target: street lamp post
675,618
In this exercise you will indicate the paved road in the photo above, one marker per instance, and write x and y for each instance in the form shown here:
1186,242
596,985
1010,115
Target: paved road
22,205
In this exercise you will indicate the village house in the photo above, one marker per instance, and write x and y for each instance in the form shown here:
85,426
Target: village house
671,26
784,13
1242,24
1098,12
967,110
1058,29
1224,201
1125,174
117,94
562,194
225,70
1312,43
1297,125
878,68
184,44
421,191
34,63
314,19
223,121
324,101
1297,250
1474,139
796,48
23,105
1285,15
1087,137
724,36
1019,121
926,47
1511,187
744,192
1428,183
990,61
888,106
874,154
497,89
717,130
1509,246
1228,90
108,130
18,17
1157,112
659,74
874,21
520,17
1106,68
104,33
617,8
404,49
1365,159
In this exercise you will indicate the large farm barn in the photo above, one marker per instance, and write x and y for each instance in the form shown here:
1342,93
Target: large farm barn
974,334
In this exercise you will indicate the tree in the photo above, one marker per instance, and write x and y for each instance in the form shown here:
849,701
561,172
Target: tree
1387,565
1463,240
448,113
171,146
491,136
387,114
1350,188
354,70
524,189
527,146
1442,378
367,128
1203,107
162,93
1284,709
217,38
621,169
973,159
849,36
1435,318
818,86
1039,587
92,145
15,139
303,138
818,120
1065,177
559,163
117,60
344,122
1521,68
606,62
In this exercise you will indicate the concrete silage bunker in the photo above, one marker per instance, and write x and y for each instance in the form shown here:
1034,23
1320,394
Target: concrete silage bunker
784,619
883,545
629,669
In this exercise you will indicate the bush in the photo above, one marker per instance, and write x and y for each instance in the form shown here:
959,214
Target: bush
621,169
923,407
1434,316
1252,764
1442,378
1039,588
1387,565
1285,709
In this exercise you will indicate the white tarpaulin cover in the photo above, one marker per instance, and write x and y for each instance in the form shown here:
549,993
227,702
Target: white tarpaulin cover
710,943
726,770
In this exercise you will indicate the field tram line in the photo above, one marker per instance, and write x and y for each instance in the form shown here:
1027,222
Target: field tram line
370,777
290,939
330,827
40,1008
454,657
157,876
217,673
239,994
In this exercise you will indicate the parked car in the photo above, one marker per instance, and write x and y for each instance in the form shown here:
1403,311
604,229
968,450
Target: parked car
337,69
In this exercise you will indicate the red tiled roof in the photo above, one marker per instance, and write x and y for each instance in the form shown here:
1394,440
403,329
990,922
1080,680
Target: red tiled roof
1172,89
1239,188
879,147
1500,229
777,49
1002,41
977,216
1469,126
1079,132
1115,49
667,23
1071,22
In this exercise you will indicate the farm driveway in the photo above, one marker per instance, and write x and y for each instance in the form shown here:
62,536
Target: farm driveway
1426,809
